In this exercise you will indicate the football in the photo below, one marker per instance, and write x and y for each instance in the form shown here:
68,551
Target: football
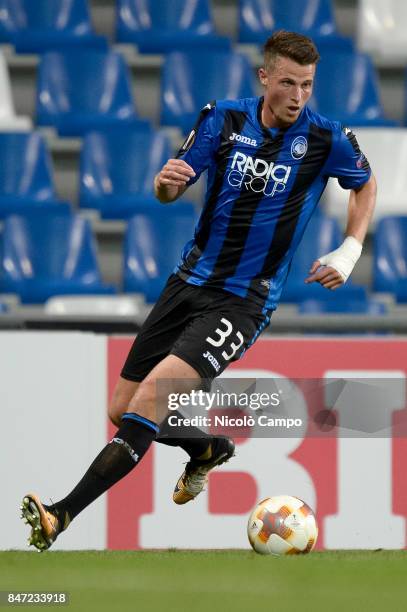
282,525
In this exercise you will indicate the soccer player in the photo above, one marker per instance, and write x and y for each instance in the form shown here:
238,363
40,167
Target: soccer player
268,161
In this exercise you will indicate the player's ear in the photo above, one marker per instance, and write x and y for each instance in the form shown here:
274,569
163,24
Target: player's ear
263,76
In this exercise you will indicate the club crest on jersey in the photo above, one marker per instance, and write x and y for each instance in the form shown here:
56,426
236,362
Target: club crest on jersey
299,147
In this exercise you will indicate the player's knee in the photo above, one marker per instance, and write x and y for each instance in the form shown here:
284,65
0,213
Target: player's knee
122,395
115,412
144,400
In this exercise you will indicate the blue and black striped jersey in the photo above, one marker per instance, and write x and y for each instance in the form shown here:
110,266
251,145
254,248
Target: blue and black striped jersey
263,186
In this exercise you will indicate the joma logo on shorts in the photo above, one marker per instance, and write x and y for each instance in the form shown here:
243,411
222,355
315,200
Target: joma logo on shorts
214,362
243,139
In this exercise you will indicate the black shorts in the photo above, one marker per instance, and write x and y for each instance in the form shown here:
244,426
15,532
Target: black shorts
207,328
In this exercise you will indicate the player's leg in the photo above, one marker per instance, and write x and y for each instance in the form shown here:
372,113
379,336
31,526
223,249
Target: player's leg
200,446
173,375
122,395
171,315
139,427
222,331
162,327
205,451
193,441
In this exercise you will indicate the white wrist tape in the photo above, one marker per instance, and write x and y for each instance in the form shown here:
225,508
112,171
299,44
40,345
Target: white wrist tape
344,258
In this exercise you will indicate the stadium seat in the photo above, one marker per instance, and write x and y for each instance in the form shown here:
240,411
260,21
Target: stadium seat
336,304
386,150
321,236
25,173
159,26
390,255
46,254
84,90
117,171
353,93
184,92
41,25
381,31
401,291
152,248
9,121
94,305
12,19
258,19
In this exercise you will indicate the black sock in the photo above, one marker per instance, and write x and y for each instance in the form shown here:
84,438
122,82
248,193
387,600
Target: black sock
193,440
115,461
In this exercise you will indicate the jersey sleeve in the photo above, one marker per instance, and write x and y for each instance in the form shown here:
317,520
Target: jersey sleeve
199,148
347,162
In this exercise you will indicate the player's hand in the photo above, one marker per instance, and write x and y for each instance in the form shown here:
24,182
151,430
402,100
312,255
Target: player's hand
175,172
324,275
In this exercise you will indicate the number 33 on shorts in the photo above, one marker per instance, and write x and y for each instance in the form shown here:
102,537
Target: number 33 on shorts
222,338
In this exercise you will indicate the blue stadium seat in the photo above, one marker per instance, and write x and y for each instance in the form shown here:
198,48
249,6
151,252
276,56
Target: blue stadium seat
46,254
321,236
117,170
390,255
160,26
25,173
84,90
259,19
41,25
353,93
401,291
184,91
336,304
153,246
12,19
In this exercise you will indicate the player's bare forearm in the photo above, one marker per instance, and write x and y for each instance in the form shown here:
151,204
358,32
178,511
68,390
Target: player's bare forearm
167,193
332,270
172,180
360,209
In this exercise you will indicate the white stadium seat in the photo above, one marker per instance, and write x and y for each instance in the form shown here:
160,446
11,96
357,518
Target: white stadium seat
382,26
9,121
386,150
97,305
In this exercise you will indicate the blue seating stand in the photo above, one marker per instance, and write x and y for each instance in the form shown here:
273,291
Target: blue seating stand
43,254
36,26
117,170
153,246
184,92
160,26
84,90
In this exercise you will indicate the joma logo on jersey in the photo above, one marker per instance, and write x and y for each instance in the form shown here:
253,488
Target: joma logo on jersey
243,139
258,175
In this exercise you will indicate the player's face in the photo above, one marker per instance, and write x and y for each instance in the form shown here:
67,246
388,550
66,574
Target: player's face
288,86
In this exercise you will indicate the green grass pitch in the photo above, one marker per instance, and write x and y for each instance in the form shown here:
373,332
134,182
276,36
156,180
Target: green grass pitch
201,581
